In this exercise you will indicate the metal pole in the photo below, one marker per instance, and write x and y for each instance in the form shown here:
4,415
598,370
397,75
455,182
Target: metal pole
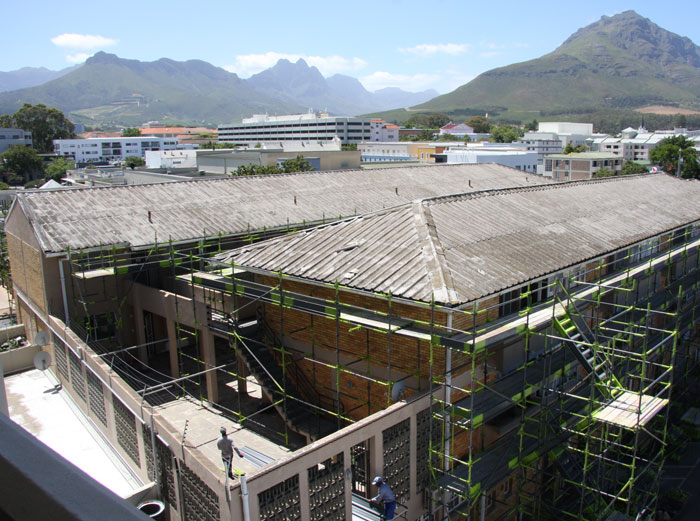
244,498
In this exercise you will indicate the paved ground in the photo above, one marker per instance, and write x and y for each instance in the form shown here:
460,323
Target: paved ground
51,416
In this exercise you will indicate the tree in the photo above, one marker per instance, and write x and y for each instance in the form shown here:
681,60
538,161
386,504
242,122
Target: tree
131,132
480,124
571,149
604,172
6,121
427,120
425,135
532,126
667,153
133,161
680,121
253,169
298,164
45,124
57,168
447,137
630,167
505,134
21,161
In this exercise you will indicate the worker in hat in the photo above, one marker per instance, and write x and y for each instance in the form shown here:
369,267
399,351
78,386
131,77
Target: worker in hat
227,447
384,497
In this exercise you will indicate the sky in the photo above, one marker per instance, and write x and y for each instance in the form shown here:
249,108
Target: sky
414,45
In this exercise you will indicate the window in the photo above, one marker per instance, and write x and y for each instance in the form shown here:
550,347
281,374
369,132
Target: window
506,487
489,502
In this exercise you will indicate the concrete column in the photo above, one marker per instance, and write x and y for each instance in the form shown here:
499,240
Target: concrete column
347,482
304,494
172,348
140,333
376,454
4,408
241,381
209,357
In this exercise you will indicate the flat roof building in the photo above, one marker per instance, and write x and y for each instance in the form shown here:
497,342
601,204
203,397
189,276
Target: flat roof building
299,127
14,136
90,150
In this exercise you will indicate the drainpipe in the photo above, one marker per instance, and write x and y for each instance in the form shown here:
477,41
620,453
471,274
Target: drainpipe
244,498
63,292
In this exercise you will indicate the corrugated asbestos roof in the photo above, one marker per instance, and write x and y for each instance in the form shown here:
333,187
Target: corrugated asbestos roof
464,247
184,211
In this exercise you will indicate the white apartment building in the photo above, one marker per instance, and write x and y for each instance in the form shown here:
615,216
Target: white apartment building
90,150
635,145
542,147
297,127
380,130
14,136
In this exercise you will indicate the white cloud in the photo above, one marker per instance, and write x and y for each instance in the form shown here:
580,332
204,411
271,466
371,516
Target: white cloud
246,65
78,57
82,41
428,49
443,81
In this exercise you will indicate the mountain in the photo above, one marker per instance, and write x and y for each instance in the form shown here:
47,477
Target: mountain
339,94
394,97
128,92
29,77
621,61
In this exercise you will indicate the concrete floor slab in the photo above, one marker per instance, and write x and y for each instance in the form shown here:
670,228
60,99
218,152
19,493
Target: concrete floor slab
202,432
49,413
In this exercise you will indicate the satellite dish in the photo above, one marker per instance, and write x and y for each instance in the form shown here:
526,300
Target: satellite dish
42,360
397,391
41,338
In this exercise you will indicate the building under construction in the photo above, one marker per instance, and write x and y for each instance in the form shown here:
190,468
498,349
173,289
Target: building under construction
508,352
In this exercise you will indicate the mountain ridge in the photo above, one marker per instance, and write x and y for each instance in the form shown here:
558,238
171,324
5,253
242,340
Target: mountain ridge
113,90
624,60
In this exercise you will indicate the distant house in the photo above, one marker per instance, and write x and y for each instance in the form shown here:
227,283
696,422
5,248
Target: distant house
456,129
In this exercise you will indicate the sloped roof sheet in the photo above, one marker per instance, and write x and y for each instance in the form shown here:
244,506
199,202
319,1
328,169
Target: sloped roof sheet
464,247
185,211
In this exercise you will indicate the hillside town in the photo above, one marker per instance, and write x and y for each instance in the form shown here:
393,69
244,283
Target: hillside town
476,305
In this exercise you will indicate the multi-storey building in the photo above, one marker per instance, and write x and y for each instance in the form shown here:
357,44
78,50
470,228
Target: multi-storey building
580,165
542,146
299,127
380,130
505,351
110,149
14,136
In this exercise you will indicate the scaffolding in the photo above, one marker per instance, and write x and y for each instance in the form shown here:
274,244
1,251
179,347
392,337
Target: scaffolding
546,401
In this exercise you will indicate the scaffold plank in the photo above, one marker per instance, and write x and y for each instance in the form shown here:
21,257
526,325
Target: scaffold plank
631,410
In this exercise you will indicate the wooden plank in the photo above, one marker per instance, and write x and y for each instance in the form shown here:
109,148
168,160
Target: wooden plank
631,410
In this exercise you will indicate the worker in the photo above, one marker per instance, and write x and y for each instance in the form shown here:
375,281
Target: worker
227,446
384,497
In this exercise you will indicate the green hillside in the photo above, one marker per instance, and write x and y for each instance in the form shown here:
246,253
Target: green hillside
108,89
623,61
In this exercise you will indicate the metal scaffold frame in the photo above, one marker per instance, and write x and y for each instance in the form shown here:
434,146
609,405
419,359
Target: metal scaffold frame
573,426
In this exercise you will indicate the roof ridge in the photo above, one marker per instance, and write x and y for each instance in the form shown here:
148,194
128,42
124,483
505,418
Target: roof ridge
544,186
433,254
